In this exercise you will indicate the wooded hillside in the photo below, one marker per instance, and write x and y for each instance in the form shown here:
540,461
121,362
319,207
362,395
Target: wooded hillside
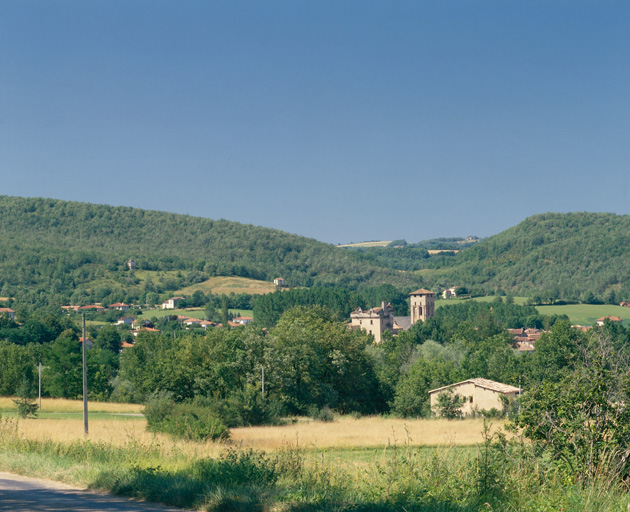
50,250
573,256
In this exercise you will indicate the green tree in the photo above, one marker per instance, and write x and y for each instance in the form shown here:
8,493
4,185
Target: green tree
582,420
316,361
108,338
64,368
449,405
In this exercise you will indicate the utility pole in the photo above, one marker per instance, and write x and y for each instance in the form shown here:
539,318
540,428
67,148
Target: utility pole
85,400
40,385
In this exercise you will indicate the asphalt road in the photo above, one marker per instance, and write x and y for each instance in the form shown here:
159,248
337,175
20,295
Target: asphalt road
21,494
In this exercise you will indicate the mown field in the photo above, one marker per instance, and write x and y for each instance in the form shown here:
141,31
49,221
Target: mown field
227,285
190,312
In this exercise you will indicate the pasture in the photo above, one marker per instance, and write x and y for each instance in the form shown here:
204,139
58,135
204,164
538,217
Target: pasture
586,314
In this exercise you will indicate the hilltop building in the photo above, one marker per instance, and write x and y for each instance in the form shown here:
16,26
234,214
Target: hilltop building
380,319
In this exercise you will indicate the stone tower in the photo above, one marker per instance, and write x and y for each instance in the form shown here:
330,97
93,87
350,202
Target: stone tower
422,305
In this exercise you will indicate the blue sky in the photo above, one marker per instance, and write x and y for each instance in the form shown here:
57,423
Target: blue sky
338,120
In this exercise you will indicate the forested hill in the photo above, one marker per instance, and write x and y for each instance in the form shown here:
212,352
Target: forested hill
55,248
562,256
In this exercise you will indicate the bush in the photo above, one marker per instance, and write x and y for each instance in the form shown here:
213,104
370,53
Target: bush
324,414
184,420
26,404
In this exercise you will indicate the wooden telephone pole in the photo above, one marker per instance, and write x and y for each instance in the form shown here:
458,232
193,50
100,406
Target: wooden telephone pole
85,400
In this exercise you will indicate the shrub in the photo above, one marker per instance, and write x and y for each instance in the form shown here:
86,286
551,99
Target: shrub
26,404
184,420
324,414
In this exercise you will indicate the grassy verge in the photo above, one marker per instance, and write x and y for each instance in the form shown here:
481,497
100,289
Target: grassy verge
398,477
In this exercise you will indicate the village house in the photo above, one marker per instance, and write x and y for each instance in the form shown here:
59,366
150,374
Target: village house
92,307
89,344
477,394
8,312
120,306
128,320
141,322
525,339
450,292
132,265
279,282
172,302
614,319
243,320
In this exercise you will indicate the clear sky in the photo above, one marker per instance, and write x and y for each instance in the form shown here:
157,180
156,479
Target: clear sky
341,120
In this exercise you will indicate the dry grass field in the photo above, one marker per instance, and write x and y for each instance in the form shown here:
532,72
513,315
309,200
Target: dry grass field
120,425
366,432
60,405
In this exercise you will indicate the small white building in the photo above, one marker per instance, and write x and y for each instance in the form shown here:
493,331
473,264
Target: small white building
450,292
243,320
279,282
172,302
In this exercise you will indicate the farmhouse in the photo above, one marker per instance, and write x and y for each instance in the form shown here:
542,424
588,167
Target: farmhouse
8,312
478,394
279,282
615,319
450,292
171,303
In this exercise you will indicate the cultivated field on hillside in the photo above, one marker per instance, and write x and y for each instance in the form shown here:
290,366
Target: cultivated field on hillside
190,312
227,285
580,314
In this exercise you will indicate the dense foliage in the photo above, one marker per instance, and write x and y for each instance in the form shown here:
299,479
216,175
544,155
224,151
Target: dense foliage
311,361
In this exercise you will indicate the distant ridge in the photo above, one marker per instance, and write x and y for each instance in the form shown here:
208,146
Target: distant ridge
572,256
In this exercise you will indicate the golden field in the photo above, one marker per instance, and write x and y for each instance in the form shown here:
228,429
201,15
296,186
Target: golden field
120,424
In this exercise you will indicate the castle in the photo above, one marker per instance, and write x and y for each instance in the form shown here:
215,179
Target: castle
378,320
